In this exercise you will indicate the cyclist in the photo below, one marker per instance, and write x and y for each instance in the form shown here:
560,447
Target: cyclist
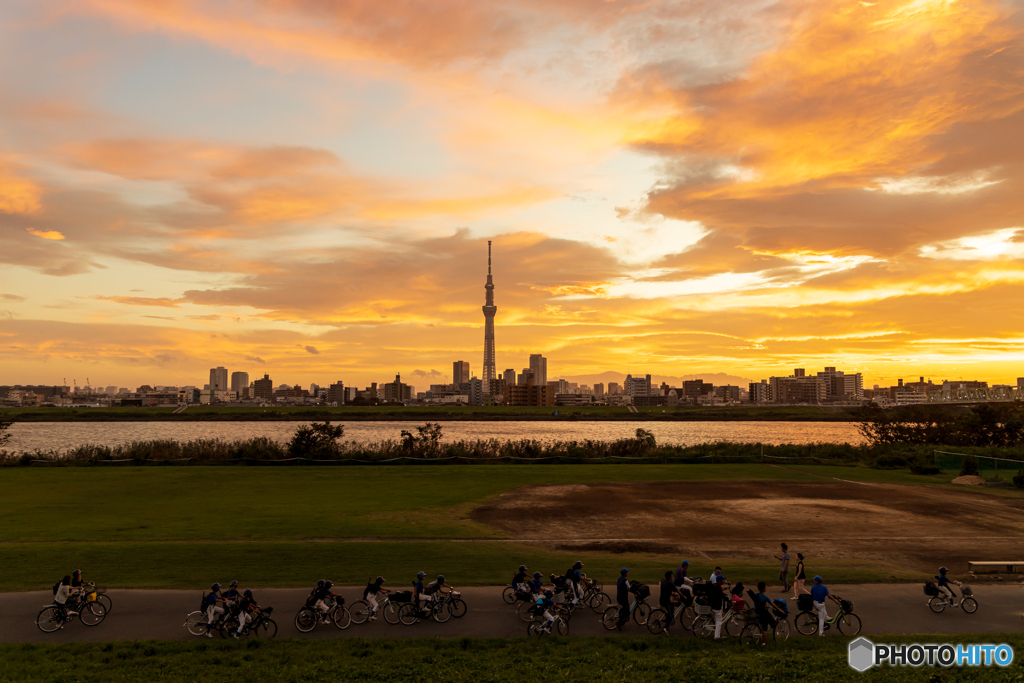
537,585
622,587
245,603
231,595
668,591
370,595
213,608
545,603
64,593
435,587
322,594
520,582
819,592
575,575
944,581
76,579
717,577
418,593
764,607
716,599
682,581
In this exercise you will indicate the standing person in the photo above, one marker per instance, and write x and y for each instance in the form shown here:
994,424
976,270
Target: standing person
784,569
716,599
819,592
668,590
622,596
798,580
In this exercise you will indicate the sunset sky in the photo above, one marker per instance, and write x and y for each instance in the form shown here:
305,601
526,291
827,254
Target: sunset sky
306,188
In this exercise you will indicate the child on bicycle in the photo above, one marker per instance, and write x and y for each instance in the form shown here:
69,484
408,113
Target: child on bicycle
520,581
231,595
669,590
322,594
943,581
371,593
545,603
246,603
213,606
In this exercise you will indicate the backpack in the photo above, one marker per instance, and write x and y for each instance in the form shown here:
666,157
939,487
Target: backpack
56,586
366,591
202,603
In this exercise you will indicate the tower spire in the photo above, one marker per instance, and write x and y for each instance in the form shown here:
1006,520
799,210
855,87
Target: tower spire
490,366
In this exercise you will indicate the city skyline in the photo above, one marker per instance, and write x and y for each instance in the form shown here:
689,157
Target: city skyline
671,189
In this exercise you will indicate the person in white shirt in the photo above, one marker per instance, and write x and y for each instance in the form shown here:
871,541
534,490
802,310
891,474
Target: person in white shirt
65,591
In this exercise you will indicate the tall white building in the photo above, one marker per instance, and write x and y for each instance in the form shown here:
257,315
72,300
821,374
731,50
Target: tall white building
510,377
239,384
539,365
637,386
218,379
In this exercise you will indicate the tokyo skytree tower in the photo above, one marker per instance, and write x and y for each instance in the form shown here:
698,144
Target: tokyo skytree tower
489,310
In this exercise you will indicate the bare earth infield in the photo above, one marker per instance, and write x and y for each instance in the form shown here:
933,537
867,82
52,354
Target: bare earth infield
916,527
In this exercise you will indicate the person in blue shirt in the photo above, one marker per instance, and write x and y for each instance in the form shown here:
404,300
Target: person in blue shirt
818,593
322,594
418,593
622,587
520,582
537,585
213,608
545,603
943,582
682,581
231,595
370,594
765,609
575,576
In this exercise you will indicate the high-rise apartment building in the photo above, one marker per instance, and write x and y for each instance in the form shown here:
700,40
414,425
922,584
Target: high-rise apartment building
539,365
218,379
637,386
263,389
509,376
397,391
240,384
525,377
614,389
336,393
760,392
599,389
460,372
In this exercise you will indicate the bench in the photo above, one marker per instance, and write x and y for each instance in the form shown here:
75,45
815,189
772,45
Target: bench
1008,567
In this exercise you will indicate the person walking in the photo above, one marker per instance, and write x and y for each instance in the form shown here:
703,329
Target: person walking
665,597
801,576
784,569
716,600
622,588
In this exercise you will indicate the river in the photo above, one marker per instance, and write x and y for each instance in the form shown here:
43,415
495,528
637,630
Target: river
47,436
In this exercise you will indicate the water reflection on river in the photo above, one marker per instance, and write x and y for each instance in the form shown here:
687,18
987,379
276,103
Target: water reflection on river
28,436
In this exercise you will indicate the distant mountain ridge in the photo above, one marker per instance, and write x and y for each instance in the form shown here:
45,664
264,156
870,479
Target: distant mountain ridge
716,378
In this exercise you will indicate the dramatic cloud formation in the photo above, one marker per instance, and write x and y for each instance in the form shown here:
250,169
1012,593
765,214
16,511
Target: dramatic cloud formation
308,186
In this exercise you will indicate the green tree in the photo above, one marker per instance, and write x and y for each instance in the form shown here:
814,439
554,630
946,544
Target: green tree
316,440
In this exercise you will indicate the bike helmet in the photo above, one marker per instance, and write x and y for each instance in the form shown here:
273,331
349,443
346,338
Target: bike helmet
623,571
247,593
328,583
943,570
215,587
548,593
380,579
537,575
440,578
522,567
320,583
420,575
817,579
233,584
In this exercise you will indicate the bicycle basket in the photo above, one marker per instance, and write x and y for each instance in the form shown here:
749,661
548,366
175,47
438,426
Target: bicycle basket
930,589
702,609
643,591
805,603
401,596
90,597
966,590
846,605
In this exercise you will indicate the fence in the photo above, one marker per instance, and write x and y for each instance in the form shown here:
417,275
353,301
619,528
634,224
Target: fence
987,466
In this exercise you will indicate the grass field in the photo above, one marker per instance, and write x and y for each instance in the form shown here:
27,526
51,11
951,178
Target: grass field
584,660
177,527
436,413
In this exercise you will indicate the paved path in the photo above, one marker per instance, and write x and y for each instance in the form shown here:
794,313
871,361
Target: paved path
160,614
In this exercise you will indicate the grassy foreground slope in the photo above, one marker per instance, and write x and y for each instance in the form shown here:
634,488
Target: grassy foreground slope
172,527
582,660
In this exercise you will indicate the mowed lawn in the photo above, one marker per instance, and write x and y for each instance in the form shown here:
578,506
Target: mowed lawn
170,527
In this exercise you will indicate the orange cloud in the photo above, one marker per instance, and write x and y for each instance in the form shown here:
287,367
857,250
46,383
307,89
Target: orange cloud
18,195
46,234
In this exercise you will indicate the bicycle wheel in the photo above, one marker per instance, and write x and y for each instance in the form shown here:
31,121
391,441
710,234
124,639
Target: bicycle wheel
105,600
342,617
610,617
806,623
50,619
686,617
391,611
733,625
781,630
657,620
509,595
598,600
196,623
360,611
560,627
534,628
459,608
969,605
228,626
305,620
849,624
752,635
525,611
642,613
704,626
92,613
937,604
408,614
442,612
266,629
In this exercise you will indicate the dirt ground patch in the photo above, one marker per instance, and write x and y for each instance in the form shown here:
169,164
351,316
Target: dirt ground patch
917,527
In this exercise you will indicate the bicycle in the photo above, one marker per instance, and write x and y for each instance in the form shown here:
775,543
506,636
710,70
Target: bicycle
456,604
438,610
539,627
753,634
939,600
703,624
91,594
846,621
261,625
638,609
513,594
309,616
660,620
361,609
593,596
54,616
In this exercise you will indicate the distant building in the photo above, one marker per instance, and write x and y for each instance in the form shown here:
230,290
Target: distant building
614,389
263,389
560,385
397,391
637,386
530,394
509,376
240,384
797,388
1020,382
694,389
476,392
539,366
460,372
219,379
760,392
336,393
498,389
599,389
729,394
525,377
573,399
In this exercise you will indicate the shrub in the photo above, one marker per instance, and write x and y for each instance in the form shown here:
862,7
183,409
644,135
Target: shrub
969,466
1018,479
316,440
